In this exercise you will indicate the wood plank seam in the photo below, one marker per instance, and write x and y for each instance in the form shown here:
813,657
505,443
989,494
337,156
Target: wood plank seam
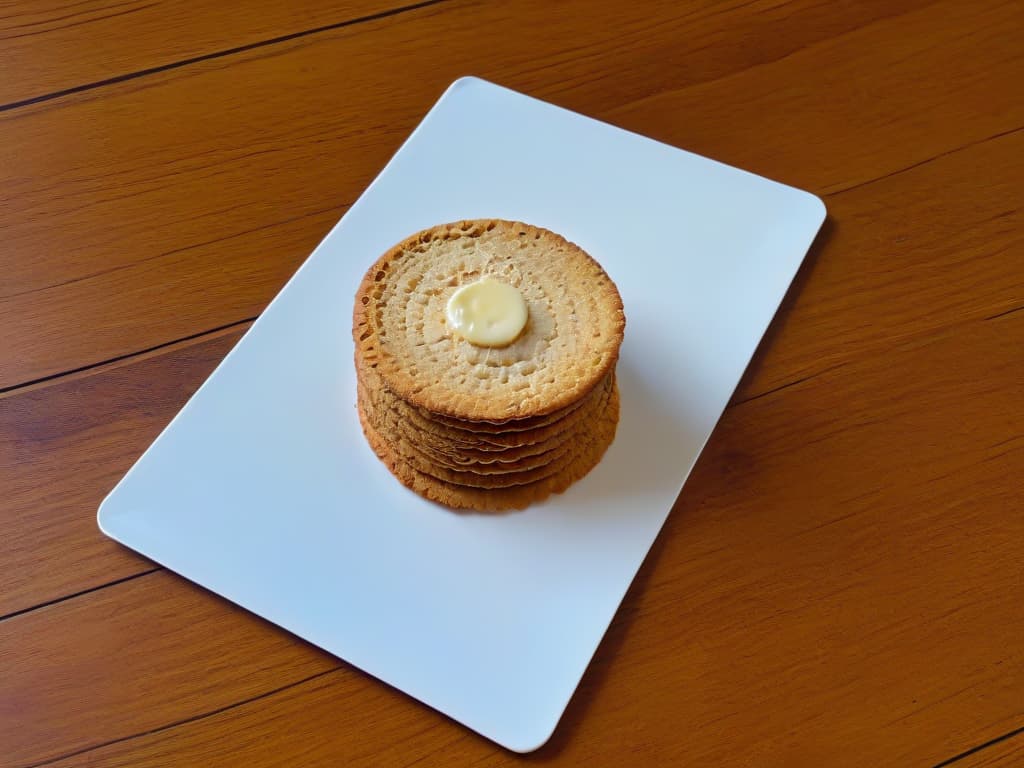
343,207
7,391
80,593
918,164
187,720
980,747
136,9
214,55
341,666
788,54
1005,313
785,385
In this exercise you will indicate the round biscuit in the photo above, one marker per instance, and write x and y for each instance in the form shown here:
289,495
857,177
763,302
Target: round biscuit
571,340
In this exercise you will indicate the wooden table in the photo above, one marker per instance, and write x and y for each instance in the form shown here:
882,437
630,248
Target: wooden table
841,582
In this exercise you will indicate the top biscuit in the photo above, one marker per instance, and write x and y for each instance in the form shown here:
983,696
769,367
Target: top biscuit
570,342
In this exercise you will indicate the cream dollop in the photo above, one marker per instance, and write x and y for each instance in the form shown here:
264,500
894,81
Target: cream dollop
487,313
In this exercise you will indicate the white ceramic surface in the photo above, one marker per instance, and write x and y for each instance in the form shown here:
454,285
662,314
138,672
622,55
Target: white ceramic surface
263,489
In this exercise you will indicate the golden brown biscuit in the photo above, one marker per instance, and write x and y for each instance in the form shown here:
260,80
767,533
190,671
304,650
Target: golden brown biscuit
493,463
457,443
571,340
481,427
500,499
480,474
442,434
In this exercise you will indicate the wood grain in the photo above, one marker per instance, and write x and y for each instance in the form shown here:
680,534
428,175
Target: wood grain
952,229
146,653
928,89
872,619
932,226
339,717
57,46
63,447
839,582
219,212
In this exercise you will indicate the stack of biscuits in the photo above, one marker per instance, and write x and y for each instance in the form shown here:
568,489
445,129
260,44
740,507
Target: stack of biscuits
487,427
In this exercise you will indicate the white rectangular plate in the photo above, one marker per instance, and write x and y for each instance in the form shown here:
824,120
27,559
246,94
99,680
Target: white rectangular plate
263,489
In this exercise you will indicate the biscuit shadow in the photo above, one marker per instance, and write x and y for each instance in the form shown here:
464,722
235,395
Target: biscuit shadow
655,441
651,422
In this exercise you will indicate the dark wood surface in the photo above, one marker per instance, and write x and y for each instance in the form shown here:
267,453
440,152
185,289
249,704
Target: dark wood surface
840,581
